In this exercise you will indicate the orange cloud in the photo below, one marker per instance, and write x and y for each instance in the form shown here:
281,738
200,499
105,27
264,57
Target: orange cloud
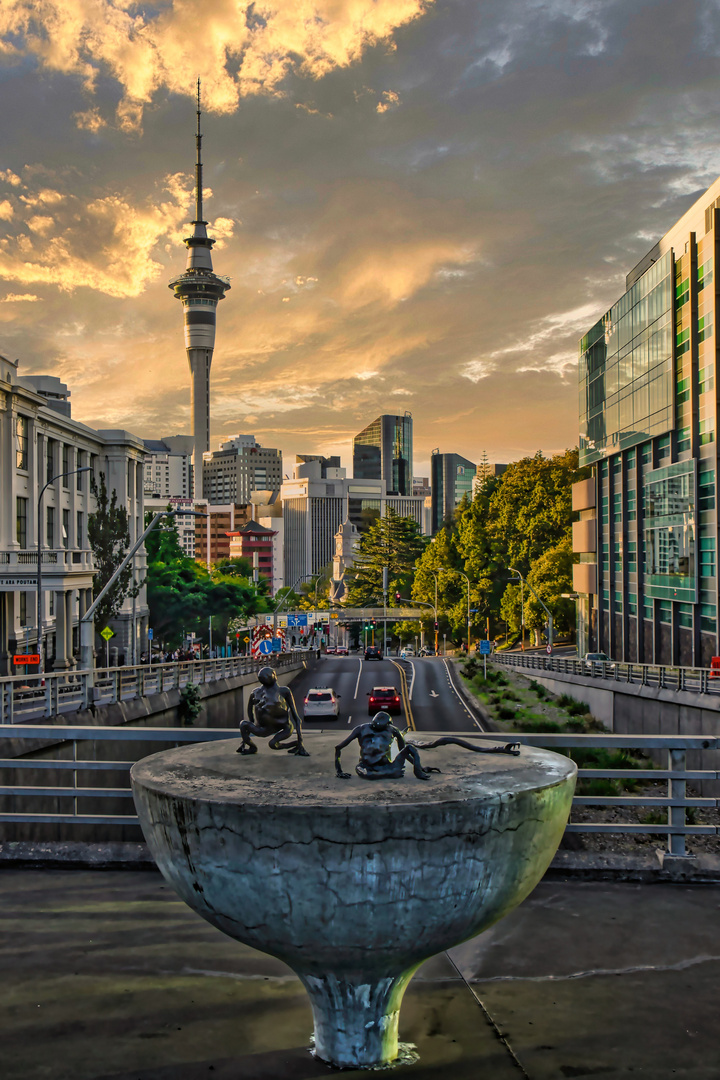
247,47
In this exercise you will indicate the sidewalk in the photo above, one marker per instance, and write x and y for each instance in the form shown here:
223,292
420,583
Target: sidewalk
107,976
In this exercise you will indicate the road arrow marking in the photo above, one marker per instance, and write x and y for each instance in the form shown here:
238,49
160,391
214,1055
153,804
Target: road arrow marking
433,694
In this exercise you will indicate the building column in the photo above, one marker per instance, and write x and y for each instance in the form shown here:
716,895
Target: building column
61,631
7,631
69,605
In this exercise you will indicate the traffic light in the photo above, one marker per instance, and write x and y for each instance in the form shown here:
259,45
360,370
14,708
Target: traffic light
436,626
397,596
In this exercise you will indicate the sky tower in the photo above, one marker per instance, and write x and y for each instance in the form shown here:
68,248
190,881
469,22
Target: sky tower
200,290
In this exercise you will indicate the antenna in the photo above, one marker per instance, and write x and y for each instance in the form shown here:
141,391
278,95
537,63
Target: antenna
198,163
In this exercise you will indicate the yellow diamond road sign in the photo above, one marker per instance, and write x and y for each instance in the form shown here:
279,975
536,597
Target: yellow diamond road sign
106,633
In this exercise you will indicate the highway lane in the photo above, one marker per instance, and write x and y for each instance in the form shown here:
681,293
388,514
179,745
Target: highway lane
431,701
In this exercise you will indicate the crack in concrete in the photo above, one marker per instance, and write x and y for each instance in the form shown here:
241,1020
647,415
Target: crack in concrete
681,965
491,1021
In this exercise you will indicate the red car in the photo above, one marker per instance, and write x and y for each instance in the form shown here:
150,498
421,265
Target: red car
329,650
341,650
384,699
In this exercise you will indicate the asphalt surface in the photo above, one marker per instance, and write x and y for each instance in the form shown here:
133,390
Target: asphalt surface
427,686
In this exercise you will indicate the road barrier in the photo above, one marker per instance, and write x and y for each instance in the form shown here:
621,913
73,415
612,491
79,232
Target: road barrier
693,680
674,805
23,700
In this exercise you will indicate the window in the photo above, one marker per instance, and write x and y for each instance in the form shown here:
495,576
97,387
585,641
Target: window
80,465
648,609
66,528
23,609
51,605
682,342
21,521
705,273
682,292
683,439
706,487
79,537
707,430
50,471
618,602
707,556
705,327
631,557
50,526
631,508
683,390
632,604
708,618
66,464
663,447
706,380
21,442
665,611
684,614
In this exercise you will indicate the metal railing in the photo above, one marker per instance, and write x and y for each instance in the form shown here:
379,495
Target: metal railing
675,804
23,700
28,556
694,680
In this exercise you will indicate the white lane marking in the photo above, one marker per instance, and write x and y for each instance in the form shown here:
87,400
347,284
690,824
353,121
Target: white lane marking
412,681
349,719
457,695
357,684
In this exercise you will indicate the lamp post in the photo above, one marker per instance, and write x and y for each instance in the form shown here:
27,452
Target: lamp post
436,604
422,603
542,604
71,472
452,570
86,622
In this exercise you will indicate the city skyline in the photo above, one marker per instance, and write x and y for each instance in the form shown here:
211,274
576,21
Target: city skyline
421,207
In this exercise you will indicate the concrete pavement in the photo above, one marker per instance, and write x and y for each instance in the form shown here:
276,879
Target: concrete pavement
107,976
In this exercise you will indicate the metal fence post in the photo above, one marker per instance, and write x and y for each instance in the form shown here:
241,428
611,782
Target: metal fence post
676,814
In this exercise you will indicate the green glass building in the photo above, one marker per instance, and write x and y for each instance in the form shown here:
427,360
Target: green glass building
646,530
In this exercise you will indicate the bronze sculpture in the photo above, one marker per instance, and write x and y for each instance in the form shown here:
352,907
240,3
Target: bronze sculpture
376,739
271,713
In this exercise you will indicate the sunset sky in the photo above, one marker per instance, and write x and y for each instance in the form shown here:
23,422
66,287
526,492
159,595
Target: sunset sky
421,205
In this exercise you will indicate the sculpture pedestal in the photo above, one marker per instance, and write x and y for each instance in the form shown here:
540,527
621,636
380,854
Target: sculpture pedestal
352,883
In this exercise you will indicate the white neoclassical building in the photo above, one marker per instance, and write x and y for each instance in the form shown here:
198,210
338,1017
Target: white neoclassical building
39,442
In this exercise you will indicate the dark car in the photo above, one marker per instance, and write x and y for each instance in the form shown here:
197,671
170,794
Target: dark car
385,699
373,652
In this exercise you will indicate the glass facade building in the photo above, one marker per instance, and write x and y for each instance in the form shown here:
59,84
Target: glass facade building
384,451
647,528
451,480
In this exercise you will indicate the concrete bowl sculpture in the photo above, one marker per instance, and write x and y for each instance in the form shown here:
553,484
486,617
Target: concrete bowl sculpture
352,883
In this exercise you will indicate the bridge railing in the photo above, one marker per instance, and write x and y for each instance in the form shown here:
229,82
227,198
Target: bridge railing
112,776
694,680
32,697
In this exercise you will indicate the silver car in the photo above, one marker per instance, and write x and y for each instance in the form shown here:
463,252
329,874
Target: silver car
321,702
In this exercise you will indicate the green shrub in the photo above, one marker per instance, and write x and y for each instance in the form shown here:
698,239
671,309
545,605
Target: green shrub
654,817
538,689
506,713
189,706
536,725
601,786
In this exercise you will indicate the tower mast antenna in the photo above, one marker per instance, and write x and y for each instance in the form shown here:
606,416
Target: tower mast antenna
198,163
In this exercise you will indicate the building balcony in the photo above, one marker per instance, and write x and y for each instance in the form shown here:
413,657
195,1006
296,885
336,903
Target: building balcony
585,578
583,494
21,562
584,535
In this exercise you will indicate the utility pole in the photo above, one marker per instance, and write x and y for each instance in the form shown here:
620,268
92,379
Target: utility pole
385,592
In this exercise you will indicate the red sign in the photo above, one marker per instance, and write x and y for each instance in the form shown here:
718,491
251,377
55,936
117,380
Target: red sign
31,658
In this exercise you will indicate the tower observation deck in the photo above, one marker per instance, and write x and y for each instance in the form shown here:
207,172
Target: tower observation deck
200,289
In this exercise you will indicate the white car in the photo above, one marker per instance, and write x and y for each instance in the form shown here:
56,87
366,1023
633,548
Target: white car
321,702
407,652
593,659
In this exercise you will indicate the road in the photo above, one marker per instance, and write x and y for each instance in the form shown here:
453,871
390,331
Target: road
427,686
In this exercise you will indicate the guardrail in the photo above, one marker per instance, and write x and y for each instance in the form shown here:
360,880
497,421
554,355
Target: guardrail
694,680
675,803
24,698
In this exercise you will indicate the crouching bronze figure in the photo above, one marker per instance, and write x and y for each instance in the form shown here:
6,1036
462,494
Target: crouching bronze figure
271,713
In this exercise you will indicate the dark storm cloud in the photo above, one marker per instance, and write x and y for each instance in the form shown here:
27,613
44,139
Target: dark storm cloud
427,223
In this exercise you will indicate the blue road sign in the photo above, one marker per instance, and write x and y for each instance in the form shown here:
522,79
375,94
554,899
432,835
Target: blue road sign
485,648
276,643
150,633
266,646
297,620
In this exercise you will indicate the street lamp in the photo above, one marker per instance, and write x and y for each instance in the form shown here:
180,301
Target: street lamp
86,622
71,472
436,601
452,570
542,604
423,603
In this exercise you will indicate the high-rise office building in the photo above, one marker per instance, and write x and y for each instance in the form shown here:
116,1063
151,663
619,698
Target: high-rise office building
167,471
451,480
200,290
648,529
384,451
316,502
239,467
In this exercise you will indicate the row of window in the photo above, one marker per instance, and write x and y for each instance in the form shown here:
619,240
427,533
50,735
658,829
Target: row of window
68,463
21,525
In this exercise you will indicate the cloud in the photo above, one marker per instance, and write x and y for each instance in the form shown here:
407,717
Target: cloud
15,298
389,100
6,210
108,244
247,48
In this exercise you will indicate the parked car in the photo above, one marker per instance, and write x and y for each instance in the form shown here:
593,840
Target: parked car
407,652
323,702
373,652
385,699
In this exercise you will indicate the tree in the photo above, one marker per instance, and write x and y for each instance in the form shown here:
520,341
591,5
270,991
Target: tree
394,542
109,538
238,566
